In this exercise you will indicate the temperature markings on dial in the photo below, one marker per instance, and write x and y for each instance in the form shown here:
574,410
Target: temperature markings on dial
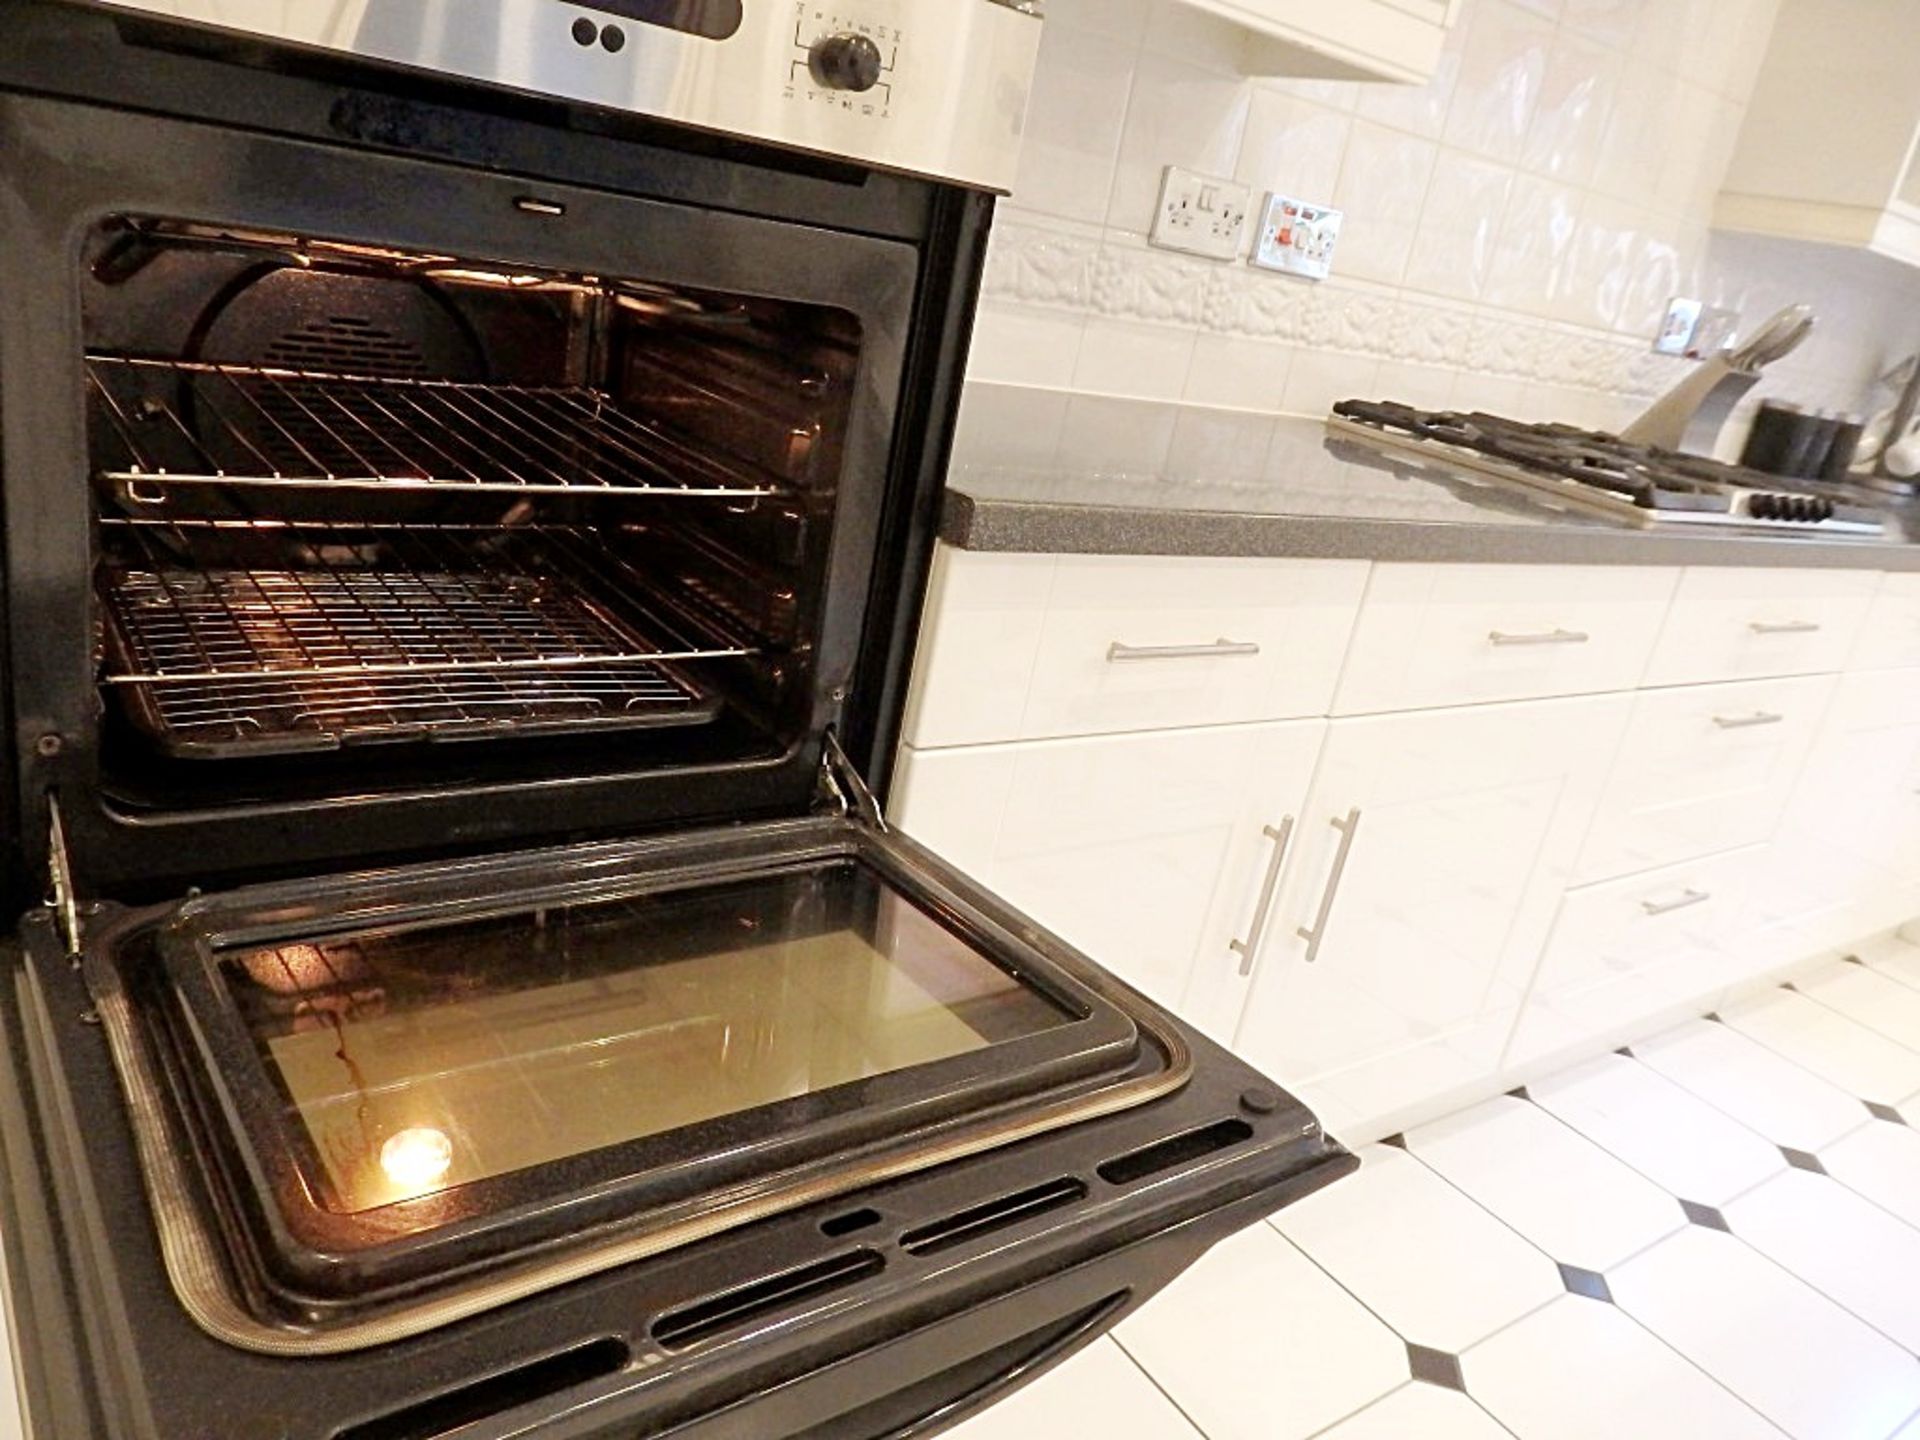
844,62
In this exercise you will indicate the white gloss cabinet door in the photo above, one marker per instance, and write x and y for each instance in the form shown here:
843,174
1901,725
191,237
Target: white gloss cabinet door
1847,858
1149,852
1433,852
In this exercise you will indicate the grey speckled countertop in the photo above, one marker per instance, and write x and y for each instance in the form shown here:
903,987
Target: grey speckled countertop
1052,472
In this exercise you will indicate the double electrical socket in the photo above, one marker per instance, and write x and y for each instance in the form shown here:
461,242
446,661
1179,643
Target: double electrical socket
1200,215
1205,215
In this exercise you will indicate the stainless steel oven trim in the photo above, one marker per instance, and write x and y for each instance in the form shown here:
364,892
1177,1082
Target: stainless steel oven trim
951,102
194,1254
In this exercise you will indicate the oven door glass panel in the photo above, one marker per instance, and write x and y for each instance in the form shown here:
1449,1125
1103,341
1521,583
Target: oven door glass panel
442,1069
415,1060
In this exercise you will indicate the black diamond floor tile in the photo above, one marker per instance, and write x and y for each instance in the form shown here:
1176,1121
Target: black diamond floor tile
1704,1215
1801,1160
1588,1283
1435,1367
1884,1112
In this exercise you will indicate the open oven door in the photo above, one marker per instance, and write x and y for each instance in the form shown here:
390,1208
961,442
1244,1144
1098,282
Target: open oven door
784,1128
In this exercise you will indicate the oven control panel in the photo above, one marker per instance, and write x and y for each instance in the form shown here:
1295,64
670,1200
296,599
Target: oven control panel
843,60
930,87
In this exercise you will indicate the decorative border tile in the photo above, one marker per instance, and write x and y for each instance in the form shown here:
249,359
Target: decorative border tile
1059,266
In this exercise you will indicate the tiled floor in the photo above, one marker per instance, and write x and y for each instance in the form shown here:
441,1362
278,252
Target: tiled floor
1712,1235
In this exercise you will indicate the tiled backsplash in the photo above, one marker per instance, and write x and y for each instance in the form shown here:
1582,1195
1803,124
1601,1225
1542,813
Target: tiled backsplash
1513,229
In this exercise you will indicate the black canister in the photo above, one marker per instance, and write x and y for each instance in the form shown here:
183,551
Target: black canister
1786,440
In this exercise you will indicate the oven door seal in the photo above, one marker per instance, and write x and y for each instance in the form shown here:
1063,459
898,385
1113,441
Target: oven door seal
196,1254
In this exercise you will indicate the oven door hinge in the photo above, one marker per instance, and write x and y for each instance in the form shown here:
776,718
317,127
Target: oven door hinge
842,786
61,896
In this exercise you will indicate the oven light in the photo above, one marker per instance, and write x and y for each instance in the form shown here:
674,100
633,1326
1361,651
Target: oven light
418,1158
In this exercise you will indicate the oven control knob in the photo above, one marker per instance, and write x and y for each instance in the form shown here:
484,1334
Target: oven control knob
846,62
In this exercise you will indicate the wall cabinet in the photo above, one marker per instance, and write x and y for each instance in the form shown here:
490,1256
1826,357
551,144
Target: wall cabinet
1352,40
1827,150
1434,851
1150,852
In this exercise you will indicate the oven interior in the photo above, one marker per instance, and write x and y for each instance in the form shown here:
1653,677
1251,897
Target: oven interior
397,519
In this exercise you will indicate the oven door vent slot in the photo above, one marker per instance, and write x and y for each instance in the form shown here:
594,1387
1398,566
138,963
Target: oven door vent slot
686,1327
1174,1152
457,1409
980,1220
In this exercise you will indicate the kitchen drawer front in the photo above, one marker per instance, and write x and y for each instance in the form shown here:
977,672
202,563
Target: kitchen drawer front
1703,768
978,640
1891,637
1433,635
1110,644
1752,622
1631,950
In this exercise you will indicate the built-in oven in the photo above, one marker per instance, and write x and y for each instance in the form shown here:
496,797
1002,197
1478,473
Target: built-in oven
468,479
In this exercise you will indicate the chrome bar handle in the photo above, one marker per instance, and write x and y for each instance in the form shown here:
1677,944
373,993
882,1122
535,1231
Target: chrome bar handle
1263,911
1784,627
1749,722
1687,901
1348,828
1547,637
1117,651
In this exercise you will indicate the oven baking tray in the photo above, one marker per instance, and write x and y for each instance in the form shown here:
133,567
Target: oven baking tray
371,637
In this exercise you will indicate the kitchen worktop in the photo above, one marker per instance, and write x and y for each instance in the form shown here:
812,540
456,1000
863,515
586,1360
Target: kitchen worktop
1053,472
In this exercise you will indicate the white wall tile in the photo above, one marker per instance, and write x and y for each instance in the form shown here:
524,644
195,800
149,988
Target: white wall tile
1382,189
1453,240
1292,146
1147,362
1246,374
1072,139
1317,378
1180,114
1576,101
1023,346
1500,80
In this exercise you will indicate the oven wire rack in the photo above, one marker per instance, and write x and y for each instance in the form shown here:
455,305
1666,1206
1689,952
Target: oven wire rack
369,633
194,423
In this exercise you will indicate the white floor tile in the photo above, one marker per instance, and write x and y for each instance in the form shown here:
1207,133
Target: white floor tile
1256,1343
1846,1247
1581,1370
1794,1355
1098,1392
1890,955
1418,1412
1816,1037
1419,1254
1910,1430
1881,1162
1765,1092
1675,1139
1878,1001
1560,1190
